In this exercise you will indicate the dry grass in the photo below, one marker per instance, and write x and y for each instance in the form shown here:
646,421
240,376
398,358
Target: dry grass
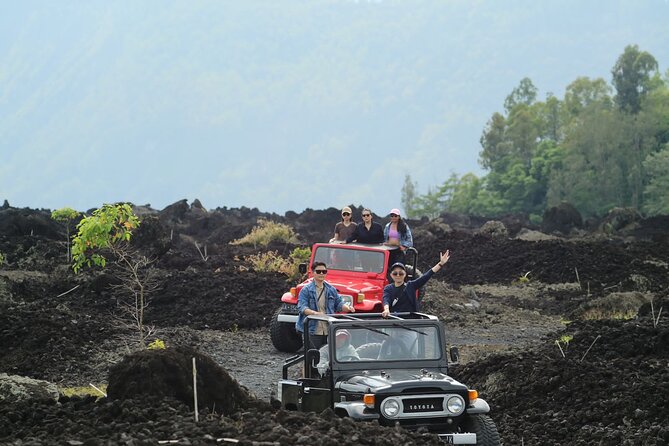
614,306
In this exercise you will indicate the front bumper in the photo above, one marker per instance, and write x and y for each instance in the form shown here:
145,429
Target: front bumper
288,314
358,411
464,438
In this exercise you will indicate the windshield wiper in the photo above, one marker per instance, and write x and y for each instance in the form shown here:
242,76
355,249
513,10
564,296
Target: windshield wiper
370,329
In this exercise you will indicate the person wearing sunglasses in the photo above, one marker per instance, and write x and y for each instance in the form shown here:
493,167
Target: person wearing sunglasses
344,229
397,232
368,232
400,297
318,297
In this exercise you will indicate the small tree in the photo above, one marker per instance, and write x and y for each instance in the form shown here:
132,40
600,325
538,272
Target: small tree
107,232
408,198
66,215
2,259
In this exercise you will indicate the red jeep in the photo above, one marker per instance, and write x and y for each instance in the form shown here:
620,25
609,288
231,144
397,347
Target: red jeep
358,272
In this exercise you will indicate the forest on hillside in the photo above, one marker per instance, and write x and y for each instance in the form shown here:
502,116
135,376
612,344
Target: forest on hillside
603,145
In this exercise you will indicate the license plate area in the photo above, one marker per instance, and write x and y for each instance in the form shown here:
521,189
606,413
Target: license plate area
423,405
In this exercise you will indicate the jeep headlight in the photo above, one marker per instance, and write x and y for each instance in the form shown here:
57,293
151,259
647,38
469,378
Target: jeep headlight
455,405
348,300
390,407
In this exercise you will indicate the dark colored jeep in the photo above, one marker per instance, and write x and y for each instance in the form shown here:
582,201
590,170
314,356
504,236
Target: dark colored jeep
358,272
393,370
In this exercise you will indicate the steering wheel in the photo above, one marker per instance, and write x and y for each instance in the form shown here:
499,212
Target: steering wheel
393,349
347,358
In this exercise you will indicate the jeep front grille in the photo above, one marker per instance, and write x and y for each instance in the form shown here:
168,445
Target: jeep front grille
423,405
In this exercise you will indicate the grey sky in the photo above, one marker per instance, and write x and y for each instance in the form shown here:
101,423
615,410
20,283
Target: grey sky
280,105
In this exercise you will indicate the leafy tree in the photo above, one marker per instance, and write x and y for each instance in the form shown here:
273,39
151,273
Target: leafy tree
584,93
510,151
109,228
493,142
66,215
470,196
429,205
408,199
599,170
582,149
524,93
657,190
632,76
549,114
108,232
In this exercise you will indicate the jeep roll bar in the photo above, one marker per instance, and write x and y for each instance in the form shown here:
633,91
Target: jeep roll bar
414,252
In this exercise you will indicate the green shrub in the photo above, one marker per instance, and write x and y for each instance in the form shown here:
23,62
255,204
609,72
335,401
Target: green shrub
300,255
110,227
271,261
2,259
265,232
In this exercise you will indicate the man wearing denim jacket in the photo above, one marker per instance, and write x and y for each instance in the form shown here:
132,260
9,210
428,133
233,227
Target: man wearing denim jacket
318,297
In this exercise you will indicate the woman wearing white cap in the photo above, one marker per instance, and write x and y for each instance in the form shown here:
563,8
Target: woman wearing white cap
397,232
344,229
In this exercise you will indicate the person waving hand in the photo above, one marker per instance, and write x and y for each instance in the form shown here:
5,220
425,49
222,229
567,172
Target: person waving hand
400,297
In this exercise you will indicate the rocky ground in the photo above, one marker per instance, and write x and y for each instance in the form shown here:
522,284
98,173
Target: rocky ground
508,294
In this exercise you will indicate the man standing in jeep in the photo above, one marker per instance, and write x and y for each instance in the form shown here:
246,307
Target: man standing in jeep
319,297
400,297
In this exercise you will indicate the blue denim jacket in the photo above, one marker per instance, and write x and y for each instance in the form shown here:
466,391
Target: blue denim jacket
307,299
406,240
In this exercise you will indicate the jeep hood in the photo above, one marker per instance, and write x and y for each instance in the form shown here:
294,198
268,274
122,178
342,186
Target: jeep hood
355,286
397,380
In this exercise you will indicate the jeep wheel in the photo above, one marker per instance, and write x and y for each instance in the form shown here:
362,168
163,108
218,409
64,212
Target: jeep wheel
284,336
484,428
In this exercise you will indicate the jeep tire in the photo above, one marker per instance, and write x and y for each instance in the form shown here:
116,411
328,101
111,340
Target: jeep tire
283,334
484,428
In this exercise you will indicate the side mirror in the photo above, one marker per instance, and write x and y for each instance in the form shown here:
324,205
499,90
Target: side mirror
454,354
302,268
312,358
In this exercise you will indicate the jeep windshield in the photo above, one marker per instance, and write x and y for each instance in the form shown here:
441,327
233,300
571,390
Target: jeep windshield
387,343
343,259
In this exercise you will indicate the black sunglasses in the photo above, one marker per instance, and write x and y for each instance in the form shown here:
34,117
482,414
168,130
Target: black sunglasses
398,273
394,215
366,215
320,271
345,214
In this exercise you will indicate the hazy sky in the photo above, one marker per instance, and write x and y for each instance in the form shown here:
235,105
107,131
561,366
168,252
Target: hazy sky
280,105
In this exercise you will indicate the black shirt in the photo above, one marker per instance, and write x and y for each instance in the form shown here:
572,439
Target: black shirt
363,235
